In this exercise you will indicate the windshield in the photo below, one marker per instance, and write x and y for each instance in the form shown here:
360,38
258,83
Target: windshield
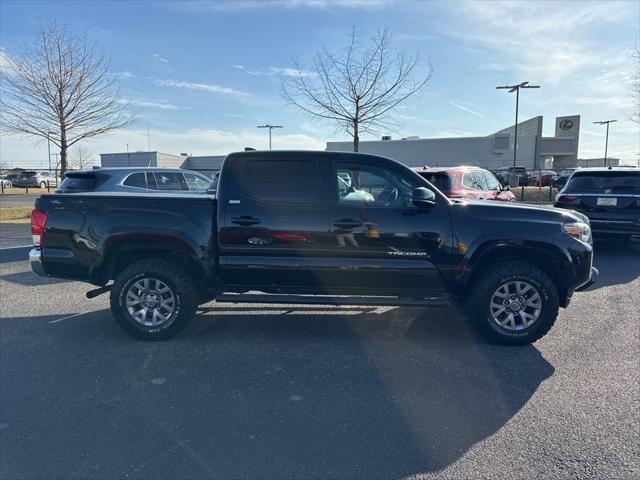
605,183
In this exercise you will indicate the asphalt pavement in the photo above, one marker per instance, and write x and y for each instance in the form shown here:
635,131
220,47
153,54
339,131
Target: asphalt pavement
317,392
14,235
20,199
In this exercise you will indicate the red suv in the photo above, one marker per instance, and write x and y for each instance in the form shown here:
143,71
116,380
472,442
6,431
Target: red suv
466,182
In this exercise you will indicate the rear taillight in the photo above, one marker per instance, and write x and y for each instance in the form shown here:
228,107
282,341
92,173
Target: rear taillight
568,199
38,222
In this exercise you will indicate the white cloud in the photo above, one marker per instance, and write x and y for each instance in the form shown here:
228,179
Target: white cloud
238,67
18,151
466,109
159,58
234,115
163,105
240,5
124,75
204,87
279,71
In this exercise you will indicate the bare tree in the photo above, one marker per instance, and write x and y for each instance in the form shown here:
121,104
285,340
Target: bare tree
359,88
60,88
81,158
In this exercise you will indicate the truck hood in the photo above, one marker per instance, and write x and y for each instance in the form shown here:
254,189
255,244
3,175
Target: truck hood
488,210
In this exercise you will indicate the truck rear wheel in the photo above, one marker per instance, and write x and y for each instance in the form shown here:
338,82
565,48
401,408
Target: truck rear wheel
153,299
513,303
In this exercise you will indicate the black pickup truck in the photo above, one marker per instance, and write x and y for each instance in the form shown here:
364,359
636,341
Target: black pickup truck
315,227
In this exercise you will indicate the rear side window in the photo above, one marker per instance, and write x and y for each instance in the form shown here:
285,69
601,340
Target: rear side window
281,181
136,180
442,181
605,183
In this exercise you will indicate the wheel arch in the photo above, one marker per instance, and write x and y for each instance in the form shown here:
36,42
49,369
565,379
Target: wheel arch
120,253
548,257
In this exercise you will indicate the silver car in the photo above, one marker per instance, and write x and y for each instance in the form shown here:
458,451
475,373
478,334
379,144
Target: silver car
132,179
36,179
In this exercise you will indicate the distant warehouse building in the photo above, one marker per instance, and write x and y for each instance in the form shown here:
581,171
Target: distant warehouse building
492,151
207,165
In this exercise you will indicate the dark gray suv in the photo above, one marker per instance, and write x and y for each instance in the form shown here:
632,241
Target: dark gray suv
132,180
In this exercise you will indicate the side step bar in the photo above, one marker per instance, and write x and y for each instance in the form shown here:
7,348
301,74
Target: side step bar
334,300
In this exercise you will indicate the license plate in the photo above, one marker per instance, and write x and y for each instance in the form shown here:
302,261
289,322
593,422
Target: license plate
607,202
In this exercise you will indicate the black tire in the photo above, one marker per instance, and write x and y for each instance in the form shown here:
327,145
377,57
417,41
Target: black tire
477,304
180,285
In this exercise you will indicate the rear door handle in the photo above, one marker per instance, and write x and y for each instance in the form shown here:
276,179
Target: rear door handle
347,223
245,220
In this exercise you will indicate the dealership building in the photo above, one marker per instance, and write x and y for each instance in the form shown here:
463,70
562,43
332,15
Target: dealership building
493,151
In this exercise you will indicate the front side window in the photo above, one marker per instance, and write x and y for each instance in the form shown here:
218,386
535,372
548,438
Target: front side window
470,180
372,185
170,181
196,183
491,181
281,181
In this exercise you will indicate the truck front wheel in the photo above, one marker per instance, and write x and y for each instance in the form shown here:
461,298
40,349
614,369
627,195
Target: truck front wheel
513,303
153,299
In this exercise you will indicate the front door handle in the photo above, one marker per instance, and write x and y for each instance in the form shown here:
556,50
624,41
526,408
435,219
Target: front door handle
347,223
245,220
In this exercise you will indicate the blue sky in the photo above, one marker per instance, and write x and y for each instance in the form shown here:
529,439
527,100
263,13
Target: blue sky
203,74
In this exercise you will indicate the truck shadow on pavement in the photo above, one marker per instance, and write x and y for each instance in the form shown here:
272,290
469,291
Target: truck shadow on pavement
618,263
252,393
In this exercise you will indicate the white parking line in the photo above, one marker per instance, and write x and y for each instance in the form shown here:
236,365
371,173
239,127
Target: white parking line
21,246
67,317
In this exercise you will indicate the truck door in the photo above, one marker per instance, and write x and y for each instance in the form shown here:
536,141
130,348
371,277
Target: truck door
380,239
274,227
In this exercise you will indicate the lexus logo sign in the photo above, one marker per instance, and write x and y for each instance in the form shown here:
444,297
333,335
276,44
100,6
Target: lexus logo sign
566,125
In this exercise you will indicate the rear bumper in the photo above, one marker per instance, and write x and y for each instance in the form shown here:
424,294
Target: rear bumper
35,260
592,279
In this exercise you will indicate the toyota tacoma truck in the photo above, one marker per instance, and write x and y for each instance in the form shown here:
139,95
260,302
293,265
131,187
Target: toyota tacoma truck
314,228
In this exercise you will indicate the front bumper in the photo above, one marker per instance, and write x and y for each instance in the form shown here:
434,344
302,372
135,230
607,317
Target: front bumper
592,279
35,260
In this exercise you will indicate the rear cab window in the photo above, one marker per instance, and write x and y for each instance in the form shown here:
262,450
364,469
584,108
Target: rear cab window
604,183
281,181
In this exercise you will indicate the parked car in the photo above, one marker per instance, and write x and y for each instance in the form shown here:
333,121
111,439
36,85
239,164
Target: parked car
5,181
560,180
541,178
135,179
503,173
609,196
36,179
467,182
281,225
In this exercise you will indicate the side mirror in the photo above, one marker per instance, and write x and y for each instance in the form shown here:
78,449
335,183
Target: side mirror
506,188
423,197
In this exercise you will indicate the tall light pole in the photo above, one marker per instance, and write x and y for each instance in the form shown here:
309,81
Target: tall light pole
49,148
606,142
516,88
270,127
